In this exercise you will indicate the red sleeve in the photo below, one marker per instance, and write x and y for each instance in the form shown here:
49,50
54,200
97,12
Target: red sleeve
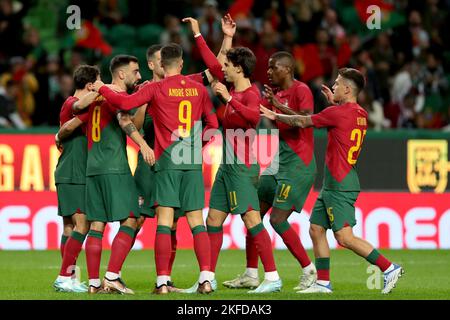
66,110
304,99
197,77
128,102
84,117
248,108
326,118
209,58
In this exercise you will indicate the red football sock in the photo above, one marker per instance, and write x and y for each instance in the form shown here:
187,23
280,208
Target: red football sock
71,252
202,247
63,245
120,248
94,253
173,252
264,246
215,235
323,268
251,253
292,242
162,250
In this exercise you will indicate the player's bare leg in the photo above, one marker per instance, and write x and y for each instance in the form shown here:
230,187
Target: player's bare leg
322,254
202,249
279,222
392,272
272,281
163,248
121,246
94,255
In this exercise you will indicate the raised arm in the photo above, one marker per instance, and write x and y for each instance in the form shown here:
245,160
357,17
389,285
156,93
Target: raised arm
126,102
228,29
292,120
130,129
213,65
84,101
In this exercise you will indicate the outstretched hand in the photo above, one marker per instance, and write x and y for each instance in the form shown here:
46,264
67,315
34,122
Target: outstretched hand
228,26
269,114
328,94
194,24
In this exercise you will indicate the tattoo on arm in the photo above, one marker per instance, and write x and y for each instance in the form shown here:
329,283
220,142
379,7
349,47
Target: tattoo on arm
129,129
289,111
292,120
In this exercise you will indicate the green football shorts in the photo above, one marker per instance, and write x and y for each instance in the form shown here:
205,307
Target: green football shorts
335,209
287,191
233,193
111,197
71,199
144,177
180,189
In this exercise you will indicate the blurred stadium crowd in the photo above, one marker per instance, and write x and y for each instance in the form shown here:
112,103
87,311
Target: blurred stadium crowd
406,62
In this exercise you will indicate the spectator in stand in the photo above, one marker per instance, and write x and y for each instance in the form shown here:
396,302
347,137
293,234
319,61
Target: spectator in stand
384,62
8,108
27,84
433,73
211,27
11,28
174,33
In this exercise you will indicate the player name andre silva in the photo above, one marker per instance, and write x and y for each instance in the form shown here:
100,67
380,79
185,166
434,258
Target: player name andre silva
226,309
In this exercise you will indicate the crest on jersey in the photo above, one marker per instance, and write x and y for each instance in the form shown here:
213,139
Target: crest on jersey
428,166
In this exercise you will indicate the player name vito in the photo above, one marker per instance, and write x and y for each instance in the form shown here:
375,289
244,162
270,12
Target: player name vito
183,92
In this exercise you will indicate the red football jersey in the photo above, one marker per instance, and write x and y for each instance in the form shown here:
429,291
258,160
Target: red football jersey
179,104
347,126
242,112
295,143
66,113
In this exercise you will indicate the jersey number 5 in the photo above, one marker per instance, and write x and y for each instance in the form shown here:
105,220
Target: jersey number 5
96,133
185,115
359,137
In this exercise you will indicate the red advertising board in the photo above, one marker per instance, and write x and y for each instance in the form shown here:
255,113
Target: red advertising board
28,205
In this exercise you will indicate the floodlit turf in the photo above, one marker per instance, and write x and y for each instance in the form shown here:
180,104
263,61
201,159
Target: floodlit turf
30,274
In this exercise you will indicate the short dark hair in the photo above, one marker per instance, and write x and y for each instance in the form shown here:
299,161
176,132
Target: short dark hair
170,53
152,50
120,61
355,76
287,58
84,74
244,58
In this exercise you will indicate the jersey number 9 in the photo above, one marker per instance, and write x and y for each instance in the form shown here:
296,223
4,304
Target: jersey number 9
185,115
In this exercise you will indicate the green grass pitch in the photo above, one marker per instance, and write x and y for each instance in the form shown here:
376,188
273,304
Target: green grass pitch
30,274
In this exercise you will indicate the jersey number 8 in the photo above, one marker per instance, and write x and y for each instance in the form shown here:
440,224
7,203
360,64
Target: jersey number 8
96,133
